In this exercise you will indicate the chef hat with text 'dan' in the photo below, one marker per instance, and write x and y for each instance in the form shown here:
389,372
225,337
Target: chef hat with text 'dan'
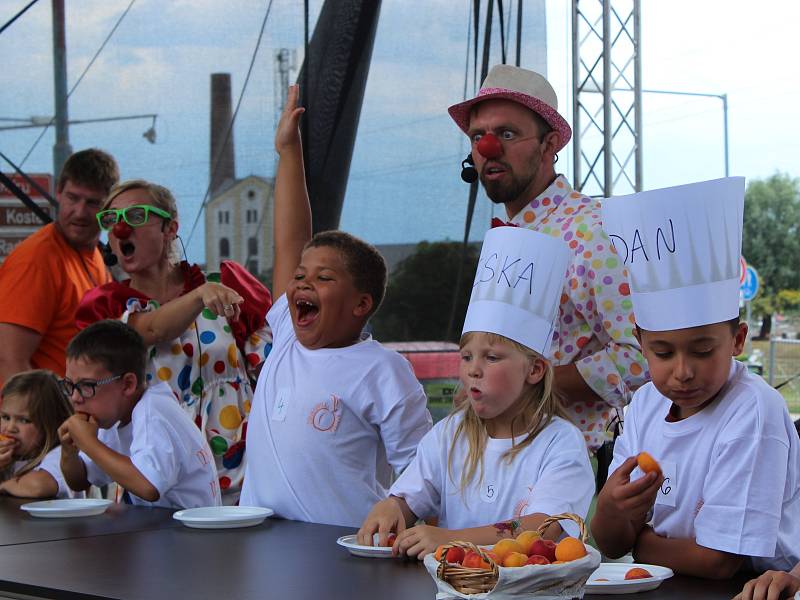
681,248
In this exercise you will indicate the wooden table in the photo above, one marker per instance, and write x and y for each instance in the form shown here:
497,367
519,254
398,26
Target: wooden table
148,557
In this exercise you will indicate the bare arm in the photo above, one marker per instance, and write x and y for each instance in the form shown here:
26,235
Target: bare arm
292,219
34,484
685,556
19,344
120,468
170,320
572,387
72,466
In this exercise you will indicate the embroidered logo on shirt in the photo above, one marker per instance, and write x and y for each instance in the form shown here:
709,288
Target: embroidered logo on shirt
521,507
326,415
203,457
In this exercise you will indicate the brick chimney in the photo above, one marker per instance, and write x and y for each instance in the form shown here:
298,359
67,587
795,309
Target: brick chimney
221,115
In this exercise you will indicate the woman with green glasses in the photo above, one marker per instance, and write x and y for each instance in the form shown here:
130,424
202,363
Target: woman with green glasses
207,334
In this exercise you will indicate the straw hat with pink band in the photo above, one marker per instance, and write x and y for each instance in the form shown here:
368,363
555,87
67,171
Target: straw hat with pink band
531,90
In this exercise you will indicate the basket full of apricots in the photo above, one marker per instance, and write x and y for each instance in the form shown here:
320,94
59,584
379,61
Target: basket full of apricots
528,566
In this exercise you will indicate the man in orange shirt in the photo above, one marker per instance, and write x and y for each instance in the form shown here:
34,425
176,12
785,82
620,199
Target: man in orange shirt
44,278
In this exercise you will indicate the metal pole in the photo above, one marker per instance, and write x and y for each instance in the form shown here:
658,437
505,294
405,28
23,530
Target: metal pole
576,117
771,377
725,122
637,94
749,340
61,149
608,179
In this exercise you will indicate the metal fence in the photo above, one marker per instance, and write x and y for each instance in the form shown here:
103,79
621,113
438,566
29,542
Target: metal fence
783,370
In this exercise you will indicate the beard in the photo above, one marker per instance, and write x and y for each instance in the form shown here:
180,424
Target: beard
512,187
502,192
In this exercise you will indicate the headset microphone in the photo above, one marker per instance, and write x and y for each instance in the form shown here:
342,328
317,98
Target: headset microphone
468,172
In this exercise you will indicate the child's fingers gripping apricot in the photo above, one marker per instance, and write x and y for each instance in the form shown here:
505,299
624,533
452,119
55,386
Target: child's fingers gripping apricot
632,498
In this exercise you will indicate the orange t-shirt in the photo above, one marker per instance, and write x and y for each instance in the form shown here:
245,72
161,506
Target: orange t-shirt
41,283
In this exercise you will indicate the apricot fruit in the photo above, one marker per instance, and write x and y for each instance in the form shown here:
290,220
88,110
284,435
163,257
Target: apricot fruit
390,540
455,555
647,463
438,554
515,559
473,560
570,548
536,559
637,573
546,548
505,547
526,539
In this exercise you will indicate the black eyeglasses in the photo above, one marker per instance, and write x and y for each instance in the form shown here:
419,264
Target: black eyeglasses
86,387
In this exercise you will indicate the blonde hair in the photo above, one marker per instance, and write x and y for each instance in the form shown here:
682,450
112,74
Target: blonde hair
540,404
160,197
47,410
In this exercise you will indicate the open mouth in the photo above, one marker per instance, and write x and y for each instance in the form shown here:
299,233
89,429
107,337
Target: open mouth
127,248
306,312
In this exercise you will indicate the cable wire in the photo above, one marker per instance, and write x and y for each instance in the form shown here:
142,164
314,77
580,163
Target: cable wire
75,85
230,125
17,16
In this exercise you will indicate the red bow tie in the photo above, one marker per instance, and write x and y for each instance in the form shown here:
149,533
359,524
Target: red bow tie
500,223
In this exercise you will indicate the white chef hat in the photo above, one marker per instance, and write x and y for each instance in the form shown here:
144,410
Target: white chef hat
681,247
518,286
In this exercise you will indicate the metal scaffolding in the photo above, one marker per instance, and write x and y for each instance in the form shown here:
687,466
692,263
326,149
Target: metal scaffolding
606,96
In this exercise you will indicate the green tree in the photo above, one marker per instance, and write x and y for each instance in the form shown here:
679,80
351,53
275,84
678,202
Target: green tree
771,240
420,294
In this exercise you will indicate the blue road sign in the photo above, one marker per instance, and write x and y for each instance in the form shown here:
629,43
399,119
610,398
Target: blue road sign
751,284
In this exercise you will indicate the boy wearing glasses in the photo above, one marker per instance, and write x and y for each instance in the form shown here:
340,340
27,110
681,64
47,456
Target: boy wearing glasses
125,432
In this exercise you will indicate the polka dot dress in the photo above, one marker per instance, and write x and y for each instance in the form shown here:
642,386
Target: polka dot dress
209,376
595,328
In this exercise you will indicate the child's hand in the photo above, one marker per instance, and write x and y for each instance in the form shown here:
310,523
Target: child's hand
80,429
68,447
385,517
770,586
621,496
221,300
287,134
6,452
421,540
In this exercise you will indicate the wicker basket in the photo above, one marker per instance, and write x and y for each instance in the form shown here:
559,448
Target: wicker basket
468,580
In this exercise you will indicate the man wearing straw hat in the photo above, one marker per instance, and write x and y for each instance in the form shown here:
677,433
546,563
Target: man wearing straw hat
516,131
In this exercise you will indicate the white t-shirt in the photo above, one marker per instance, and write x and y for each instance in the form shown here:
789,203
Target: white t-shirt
167,448
327,427
731,470
551,475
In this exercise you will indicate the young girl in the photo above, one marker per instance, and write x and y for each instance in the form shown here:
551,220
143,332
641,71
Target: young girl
504,460
31,410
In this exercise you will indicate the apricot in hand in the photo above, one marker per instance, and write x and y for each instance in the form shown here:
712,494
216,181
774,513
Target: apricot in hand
647,463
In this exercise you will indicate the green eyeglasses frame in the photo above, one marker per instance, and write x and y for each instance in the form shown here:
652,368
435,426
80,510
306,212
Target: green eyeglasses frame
110,217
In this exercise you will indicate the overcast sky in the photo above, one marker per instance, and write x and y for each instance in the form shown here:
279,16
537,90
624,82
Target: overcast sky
407,153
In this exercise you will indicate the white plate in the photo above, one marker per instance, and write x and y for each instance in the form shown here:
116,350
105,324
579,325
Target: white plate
349,542
617,584
223,517
67,507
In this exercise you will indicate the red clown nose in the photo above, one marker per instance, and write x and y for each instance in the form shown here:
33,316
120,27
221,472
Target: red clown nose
489,146
122,230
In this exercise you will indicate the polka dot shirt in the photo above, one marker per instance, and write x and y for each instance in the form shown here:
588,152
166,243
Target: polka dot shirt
596,322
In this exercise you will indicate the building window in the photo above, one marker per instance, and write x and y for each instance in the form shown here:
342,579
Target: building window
224,248
252,266
252,247
221,218
227,217
251,194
